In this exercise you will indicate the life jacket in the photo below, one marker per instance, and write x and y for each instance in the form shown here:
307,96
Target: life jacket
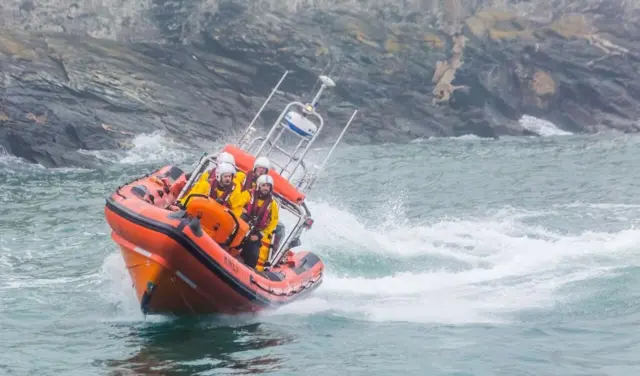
260,213
212,176
248,181
224,198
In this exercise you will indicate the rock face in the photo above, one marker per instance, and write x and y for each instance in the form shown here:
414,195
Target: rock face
93,75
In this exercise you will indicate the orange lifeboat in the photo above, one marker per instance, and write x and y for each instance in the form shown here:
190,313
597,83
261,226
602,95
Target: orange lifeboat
184,261
179,260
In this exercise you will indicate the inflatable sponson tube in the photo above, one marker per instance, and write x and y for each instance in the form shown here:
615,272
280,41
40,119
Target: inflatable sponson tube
244,161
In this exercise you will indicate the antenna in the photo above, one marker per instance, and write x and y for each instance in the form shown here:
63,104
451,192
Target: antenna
250,129
326,82
304,123
333,148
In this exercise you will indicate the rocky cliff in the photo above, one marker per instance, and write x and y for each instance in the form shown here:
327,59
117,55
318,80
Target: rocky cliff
92,75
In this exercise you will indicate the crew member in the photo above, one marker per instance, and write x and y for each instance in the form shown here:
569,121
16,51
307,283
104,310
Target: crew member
223,189
261,213
228,158
210,176
261,166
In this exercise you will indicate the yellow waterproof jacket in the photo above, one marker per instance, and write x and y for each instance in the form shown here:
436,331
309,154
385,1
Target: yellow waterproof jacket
200,187
239,179
267,231
235,202
204,178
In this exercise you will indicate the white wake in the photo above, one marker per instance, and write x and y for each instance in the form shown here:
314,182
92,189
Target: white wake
542,127
510,267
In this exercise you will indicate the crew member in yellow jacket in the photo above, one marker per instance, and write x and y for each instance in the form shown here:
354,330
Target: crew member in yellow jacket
247,182
223,157
222,188
262,214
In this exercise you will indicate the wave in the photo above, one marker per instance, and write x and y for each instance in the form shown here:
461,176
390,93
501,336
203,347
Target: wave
146,148
541,127
493,267
451,271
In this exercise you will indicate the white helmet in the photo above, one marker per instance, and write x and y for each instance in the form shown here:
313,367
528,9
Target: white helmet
264,179
225,157
224,168
262,162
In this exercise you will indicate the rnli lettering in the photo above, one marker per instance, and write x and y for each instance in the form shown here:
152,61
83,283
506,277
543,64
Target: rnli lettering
232,265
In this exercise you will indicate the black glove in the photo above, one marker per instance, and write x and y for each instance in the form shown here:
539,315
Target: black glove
257,233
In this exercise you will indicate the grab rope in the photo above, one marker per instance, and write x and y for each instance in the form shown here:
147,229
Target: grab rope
303,287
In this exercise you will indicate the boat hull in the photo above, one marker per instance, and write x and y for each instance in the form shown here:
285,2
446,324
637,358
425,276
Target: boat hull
176,268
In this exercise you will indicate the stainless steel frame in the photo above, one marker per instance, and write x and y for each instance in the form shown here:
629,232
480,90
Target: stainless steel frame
269,143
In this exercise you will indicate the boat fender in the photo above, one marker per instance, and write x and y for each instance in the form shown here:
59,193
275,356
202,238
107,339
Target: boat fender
195,227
